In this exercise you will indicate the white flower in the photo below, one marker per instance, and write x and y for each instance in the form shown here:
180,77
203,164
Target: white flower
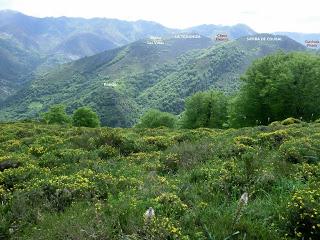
149,214
243,201
244,198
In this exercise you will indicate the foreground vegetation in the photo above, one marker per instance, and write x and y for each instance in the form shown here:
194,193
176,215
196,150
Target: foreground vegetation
62,182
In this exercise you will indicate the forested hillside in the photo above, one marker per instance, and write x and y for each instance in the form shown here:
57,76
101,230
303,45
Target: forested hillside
16,63
47,34
98,80
120,84
30,45
218,67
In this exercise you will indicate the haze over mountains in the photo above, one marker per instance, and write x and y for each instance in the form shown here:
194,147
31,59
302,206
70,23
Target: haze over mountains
123,67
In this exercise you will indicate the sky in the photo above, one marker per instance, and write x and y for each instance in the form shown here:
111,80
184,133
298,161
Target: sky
262,16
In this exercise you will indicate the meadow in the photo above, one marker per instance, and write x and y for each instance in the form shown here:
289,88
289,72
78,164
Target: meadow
63,182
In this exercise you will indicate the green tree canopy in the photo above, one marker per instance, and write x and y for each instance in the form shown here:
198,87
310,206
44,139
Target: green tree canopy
277,87
155,118
85,117
56,115
205,109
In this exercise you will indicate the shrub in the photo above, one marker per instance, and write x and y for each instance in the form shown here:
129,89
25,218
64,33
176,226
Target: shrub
56,115
307,172
193,185
2,193
59,157
37,150
170,163
205,109
155,118
304,214
12,145
126,143
85,117
60,199
290,121
7,164
162,228
245,140
159,142
107,151
186,155
169,204
301,150
273,139
108,136
275,124
238,149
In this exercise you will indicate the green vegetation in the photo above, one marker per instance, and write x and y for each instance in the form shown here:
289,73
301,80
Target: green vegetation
65,39
121,84
155,118
205,109
85,117
56,115
277,87
16,63
167,178
82,117
62,182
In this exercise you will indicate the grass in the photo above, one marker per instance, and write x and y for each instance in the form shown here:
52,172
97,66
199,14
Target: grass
81,183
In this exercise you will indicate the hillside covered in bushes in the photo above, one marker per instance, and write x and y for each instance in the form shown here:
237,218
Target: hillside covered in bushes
123,83
63,182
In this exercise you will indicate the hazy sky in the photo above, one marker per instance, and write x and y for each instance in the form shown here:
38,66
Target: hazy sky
262,16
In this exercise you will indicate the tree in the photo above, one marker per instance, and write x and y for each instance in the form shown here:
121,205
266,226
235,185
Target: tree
56,115
155,118
85,117
205,109
277,87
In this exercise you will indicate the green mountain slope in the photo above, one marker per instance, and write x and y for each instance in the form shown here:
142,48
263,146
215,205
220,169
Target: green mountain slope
120,84
84,44
98,81
46,34
15,62
218,67
29,44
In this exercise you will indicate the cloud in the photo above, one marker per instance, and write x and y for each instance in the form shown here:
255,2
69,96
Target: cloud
248,13
5,4
266,16
311,19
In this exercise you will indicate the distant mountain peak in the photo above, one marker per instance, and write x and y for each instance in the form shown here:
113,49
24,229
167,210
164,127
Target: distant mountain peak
232,32
10,11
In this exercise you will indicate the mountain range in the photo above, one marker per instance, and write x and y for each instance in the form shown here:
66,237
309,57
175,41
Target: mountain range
122,68
121,83
29,44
